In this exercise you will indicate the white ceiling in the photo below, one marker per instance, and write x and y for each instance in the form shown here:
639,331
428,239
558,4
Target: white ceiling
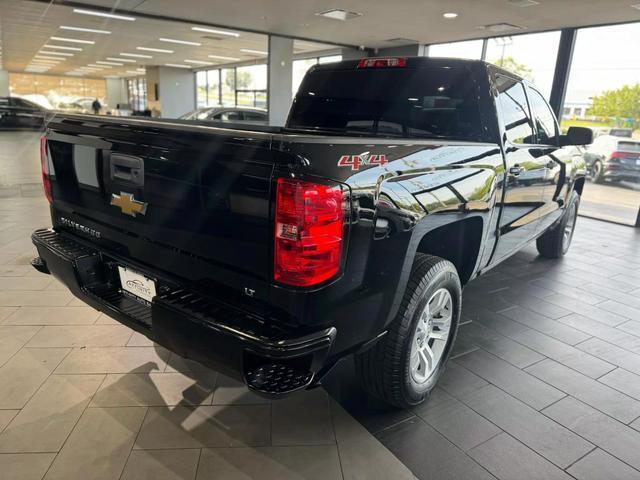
26,29
26,26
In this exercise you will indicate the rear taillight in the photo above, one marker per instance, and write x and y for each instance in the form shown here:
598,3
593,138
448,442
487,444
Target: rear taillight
382,62
309,231
44,162
623,155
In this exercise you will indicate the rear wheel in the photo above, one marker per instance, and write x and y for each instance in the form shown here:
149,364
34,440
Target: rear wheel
404,366
598,172
555,242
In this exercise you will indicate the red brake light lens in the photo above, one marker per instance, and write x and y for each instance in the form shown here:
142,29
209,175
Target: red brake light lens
309,231
623,155
382,62
44,162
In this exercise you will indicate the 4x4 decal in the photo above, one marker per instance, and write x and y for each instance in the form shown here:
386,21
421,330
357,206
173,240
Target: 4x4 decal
357,161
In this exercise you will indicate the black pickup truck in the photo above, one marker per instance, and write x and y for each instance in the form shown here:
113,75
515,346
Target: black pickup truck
271,253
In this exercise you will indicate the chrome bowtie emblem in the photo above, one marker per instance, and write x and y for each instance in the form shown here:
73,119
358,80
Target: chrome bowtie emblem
128,205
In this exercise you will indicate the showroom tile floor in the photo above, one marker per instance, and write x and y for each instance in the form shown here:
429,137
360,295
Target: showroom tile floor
545,380
83,397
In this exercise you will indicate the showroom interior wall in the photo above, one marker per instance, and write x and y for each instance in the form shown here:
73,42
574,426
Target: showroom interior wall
4,83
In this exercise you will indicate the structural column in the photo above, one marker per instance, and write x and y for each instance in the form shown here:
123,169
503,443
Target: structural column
280,79
563,67
4,83
116,92
171,92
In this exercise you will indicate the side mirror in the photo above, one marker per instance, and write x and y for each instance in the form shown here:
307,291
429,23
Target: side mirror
577,136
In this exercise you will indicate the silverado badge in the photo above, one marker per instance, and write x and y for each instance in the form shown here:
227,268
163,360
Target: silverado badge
128,204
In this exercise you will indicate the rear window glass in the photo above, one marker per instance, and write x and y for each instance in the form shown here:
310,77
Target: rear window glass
393,102
629,146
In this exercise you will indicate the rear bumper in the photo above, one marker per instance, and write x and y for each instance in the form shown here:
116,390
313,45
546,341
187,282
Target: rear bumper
271,360
622,174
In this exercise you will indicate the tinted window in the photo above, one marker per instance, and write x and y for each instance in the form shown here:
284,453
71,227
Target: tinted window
19,102
515,110
408,102
545,120
256,116
629,146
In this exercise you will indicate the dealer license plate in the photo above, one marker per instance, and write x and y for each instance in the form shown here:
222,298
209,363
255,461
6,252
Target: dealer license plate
137,284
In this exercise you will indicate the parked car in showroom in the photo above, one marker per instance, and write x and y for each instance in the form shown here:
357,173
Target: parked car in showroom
271,253
230,115
19,114
613,158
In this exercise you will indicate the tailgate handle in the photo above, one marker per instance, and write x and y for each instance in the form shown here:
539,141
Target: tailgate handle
127,169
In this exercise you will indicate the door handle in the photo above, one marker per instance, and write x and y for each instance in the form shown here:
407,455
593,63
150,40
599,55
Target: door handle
516,170
127,169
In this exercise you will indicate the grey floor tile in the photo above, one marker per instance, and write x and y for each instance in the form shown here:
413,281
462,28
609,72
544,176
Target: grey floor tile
607,433
508,459
554,442
496,321
599,465
5,417
6,312
500,346
270,463
162,465
542,307
632,327
459,381
575,358
428,454
25,298
21,376
623,381
155,389
518,383
302,419
362,456
612,354
99,445
114,360
614,335
24,466
13,338
47,419
232,392
457,422
547,326
589,311
621,309
205,426
53,316
81,336
591,392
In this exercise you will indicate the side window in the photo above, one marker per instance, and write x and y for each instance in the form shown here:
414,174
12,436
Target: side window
232,116
545,120
255,116
515,110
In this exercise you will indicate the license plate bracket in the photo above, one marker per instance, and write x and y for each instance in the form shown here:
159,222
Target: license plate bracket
136,284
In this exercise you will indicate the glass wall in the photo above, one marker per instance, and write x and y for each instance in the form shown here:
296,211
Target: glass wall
532,56
604,94
61,93
137,90
471,50
300,67
251,86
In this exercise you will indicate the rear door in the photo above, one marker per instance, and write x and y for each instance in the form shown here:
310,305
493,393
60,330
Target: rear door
525,168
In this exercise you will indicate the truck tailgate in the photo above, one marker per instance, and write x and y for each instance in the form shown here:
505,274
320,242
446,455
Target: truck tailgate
186,199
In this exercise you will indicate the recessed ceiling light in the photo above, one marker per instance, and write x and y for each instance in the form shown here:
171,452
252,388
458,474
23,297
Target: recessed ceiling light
181,42
126,60
149,49
255,52
176,65
141,70
133,72
135,55
339,14
501,27
103,14
62,54
523,3
197,62
60,47
102,62
220,57
73,40
88,30
50,58
218,32
450,15
99,66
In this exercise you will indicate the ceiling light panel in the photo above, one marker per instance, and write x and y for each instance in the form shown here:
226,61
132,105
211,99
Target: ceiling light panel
95,13
125,60
82,29
217,32
136,55
220,57
176,65
62,54
180,42
73,40
339,14
149,49
61,47
254,52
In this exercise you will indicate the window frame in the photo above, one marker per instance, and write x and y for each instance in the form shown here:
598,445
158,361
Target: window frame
528,86
504,137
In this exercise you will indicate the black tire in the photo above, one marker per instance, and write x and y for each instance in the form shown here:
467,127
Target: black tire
552,243
384,369
598,172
